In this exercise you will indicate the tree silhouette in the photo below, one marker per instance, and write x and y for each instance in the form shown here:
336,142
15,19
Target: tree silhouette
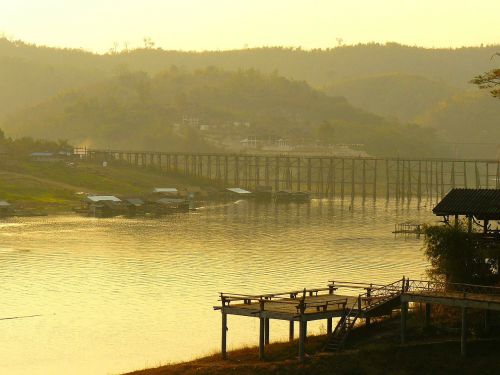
489,80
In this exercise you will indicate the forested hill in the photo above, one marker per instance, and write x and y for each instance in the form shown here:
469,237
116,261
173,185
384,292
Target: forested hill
23,65
407,84
135,110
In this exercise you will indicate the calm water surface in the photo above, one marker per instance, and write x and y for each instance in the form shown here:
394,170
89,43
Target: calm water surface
121,294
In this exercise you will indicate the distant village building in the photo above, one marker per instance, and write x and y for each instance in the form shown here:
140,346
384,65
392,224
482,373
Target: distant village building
249,143
280,145
50,156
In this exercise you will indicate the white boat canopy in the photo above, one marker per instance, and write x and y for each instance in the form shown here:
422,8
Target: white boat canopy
101,198
165,190
239,191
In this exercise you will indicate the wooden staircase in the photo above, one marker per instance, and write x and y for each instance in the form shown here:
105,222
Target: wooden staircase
366,303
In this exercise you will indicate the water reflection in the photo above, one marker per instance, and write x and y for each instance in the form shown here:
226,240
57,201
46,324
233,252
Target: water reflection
119,294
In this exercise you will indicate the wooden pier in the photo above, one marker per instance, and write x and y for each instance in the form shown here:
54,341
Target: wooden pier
340,300
323,176
337,300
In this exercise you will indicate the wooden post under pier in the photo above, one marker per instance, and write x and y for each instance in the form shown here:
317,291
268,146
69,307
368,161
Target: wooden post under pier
302,339
261,337
266,333
224,336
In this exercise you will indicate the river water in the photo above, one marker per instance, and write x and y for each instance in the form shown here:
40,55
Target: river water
116,295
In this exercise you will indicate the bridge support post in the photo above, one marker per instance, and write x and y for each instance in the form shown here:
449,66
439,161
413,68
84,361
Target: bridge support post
463,340
427,315
404,314
291,332
266,332
302,339
262,324
329,326
224,336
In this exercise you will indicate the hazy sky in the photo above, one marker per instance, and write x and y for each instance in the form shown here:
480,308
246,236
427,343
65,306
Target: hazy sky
227,24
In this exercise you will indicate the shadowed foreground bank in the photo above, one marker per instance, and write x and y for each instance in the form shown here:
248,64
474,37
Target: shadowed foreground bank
428,352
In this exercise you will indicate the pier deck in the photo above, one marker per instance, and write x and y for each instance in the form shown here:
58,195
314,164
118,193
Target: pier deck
338,300
342,300
315,307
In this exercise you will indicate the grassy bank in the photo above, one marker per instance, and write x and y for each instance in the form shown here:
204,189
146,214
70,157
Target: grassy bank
58,186
375,352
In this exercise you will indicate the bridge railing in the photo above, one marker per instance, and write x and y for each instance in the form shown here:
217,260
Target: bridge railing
422,286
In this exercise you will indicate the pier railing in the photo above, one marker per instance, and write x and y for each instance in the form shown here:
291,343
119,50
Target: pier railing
296,298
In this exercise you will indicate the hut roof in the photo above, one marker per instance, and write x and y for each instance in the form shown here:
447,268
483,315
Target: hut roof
103,198
4,204
239,191
481,203
135,201
165,190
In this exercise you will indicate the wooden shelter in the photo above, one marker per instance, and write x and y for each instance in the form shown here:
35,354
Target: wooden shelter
135,206
103,205
479,206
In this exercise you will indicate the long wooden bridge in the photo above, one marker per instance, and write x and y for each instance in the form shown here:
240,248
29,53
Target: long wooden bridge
337,300
323,176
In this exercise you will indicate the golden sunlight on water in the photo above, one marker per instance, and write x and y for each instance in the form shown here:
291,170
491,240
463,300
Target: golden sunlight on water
115,295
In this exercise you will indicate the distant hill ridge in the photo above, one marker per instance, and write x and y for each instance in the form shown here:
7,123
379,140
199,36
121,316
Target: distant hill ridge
69,68
135,110
405,83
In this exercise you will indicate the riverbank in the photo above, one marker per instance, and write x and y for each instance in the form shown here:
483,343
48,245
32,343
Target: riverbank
54,187
375,352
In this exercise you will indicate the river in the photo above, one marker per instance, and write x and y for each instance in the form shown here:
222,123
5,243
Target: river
116,295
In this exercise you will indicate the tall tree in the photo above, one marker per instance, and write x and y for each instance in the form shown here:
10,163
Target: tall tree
489,80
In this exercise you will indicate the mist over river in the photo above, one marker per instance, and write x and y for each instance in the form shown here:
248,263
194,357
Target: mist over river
115,295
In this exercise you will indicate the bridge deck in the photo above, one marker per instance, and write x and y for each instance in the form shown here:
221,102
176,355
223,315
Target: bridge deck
451,298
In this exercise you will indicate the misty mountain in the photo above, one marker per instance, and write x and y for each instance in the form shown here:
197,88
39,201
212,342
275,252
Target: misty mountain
69,68
394,81
393,95
471,119
135,110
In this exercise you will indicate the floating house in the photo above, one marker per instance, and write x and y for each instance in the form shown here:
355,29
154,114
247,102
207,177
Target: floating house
239,192
167,192
481,207
135,206
103,205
